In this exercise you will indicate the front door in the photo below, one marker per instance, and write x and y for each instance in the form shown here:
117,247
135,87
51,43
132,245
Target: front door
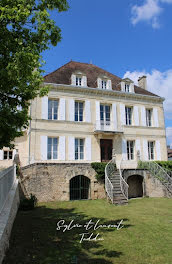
106,149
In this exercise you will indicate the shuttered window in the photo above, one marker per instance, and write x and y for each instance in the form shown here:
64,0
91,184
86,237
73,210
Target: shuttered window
79,111
128,115
127,88
52,146
104,84
149,117
79,148
52,109
130,150
8,154
78,81
151,150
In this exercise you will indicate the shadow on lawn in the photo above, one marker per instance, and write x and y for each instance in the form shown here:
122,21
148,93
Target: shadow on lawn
34,239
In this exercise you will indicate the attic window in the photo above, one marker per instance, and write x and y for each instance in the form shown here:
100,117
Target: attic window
78,81
127,88
104,84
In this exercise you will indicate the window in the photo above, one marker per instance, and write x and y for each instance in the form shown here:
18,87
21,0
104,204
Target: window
52,109
128,115
79,111
52,148
127,88
78,81
8,154
104,84
150,150
79,148
149,117
105,114
130,150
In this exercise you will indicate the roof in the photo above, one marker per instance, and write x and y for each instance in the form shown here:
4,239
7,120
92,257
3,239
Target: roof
63,76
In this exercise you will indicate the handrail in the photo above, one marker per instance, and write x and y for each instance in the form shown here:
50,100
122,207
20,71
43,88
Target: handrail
158,172
108,184
123,184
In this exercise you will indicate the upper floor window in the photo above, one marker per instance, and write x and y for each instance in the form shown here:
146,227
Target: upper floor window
105,114
127,88
150,150
79,148
79,106
8,154
78,81
128,115
149,117
130,150
104,84
52,148
52,109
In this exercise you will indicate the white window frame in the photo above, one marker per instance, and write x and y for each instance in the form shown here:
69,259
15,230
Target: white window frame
127,87
105,121
52,111
128,119
8,154
54,148
151,150
130,149
78,80
78,112
79,154
149,113
104,84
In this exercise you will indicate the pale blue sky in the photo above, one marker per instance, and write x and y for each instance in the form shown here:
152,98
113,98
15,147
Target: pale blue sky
120,36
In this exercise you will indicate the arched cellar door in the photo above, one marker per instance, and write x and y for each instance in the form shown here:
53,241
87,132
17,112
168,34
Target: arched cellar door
79,188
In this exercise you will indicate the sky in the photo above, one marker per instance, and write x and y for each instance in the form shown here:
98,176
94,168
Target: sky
128,38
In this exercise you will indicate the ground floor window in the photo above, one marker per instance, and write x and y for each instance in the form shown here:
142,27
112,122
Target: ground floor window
8,154
130,150
150,150
52,148
79,188
79,148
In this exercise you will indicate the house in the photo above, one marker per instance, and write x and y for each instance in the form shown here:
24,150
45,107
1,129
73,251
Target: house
88,115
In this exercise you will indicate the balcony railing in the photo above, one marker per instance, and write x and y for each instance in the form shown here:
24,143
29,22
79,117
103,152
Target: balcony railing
107,126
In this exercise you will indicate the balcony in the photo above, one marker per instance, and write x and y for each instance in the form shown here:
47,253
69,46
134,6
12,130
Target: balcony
107,127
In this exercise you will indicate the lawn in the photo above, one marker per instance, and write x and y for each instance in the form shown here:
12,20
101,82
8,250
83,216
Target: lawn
145,238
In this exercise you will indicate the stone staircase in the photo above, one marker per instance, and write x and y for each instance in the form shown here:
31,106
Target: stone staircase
115,185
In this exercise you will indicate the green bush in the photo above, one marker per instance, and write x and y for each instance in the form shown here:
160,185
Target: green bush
28,203
165,164
99,167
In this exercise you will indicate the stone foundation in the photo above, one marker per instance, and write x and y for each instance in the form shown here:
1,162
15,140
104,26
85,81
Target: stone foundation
50,181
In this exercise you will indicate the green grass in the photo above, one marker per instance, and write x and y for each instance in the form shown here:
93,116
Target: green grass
146,237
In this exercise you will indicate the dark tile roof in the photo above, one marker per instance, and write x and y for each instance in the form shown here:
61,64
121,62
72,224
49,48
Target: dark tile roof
63,76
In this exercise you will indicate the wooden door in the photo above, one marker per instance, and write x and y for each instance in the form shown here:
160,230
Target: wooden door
106,149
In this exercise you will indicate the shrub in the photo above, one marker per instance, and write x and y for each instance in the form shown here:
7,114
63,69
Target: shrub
28,203
99,167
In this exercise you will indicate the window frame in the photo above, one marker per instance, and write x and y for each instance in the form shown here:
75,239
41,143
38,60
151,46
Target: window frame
52,111
78,113
104,84
106,120
128,119
78,80
149,118
52,151
127,87
8,154
130,149
79,155
151,154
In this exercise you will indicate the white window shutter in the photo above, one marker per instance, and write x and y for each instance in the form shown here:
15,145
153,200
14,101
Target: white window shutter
62,149
155,117
43,147
14,153
71,148
1,154
143,116
124,149
114,115
71,110
122,112
73,79
88,148
84,81
97,115
45,107
136,116
99,83
109,85
62,109
87,111
138,147
158,150
122,86
145,149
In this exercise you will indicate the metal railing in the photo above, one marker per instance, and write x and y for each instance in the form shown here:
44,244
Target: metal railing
109,170
102,125
123,184
7,179
158,172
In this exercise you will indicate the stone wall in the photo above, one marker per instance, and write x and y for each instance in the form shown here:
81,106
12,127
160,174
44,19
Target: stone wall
50,181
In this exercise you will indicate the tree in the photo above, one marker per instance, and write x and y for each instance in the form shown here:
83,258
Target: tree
26,30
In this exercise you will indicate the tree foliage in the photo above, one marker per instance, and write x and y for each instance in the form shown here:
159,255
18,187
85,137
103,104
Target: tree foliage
26,30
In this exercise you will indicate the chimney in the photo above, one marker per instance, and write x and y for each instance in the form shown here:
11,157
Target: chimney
142,82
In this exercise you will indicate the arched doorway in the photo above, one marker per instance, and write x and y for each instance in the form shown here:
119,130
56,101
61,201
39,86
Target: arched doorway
79,188
135,189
